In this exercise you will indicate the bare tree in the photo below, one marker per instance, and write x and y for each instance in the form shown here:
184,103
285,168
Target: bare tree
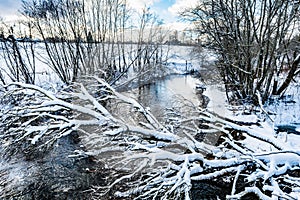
19,55
59,31
253,41
88,36
65,27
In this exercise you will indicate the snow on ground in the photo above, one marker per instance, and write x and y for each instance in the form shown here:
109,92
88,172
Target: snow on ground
217,100
183,59
44,75
178,65
287,109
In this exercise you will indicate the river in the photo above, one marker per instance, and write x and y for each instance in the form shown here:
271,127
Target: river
166,93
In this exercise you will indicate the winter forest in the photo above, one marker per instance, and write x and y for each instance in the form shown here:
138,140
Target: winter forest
102,101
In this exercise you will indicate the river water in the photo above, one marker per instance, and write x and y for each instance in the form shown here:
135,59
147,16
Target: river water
166,93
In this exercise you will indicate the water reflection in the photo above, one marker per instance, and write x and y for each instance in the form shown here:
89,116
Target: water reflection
166,93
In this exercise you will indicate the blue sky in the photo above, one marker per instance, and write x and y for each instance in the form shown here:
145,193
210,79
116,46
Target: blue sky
9,8
162,7
166,9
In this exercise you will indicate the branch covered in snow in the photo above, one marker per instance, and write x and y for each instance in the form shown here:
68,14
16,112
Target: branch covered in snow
152,158
256,158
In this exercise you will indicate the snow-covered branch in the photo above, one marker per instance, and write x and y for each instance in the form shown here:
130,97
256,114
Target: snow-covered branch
258,159
153,159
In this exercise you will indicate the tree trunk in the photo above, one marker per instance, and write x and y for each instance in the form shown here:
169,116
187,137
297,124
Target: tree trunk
290,76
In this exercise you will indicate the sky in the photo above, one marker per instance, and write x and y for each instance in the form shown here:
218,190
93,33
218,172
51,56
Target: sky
9,9
165,9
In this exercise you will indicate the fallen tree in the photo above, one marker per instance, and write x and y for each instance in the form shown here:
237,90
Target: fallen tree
151,159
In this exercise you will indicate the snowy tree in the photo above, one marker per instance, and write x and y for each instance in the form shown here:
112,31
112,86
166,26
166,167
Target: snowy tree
253,41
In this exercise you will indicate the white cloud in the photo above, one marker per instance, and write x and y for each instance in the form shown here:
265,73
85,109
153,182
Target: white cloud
140,4
179,26
9,9
180,5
